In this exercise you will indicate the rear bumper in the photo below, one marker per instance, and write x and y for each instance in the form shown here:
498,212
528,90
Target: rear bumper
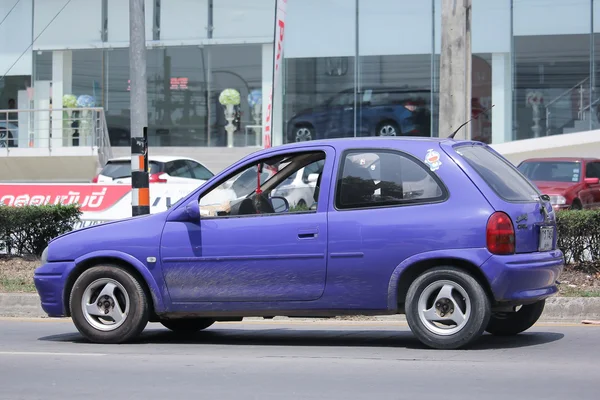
524,278
49,282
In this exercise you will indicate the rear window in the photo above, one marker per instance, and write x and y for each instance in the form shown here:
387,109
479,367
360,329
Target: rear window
499,174
122,169
551,171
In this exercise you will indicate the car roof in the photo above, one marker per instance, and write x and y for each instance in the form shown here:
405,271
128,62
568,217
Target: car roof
572,159
366,141
161,159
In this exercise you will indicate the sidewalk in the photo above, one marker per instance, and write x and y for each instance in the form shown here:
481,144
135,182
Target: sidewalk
558,309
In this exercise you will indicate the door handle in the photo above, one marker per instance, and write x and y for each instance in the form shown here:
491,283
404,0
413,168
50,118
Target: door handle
307,234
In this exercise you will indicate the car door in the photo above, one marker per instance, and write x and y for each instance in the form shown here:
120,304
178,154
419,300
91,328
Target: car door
244,256
592,170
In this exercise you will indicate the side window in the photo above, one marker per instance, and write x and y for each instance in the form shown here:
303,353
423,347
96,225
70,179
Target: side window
179,169
199,171
592,170
384,178
258,189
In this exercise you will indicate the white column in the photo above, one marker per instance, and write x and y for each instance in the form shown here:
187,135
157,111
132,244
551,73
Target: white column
62,83
267,82
23,103
501,98
41,129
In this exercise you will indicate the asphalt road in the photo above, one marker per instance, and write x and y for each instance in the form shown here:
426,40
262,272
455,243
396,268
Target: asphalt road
48,359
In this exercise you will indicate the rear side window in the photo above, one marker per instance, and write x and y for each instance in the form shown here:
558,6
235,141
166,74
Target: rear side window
500,175
385,178
122,169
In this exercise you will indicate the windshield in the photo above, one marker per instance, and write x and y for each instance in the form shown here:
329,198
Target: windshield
551,171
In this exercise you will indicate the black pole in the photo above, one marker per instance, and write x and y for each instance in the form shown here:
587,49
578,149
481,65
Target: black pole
140,185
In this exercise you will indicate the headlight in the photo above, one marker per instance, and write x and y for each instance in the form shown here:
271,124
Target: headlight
557,200
45,256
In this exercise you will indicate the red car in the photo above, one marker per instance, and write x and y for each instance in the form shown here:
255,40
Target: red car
571,182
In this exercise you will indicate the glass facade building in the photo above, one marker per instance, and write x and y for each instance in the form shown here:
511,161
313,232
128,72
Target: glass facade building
350,67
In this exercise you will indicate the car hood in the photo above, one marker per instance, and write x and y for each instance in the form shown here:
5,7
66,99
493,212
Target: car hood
96,226
548,187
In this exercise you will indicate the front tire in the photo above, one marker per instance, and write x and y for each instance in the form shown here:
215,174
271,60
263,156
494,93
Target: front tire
187,325
109,305
446,308
513,323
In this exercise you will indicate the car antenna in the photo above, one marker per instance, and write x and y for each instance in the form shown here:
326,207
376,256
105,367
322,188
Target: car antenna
475,117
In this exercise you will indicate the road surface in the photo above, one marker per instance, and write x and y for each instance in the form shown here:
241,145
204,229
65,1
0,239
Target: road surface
48,359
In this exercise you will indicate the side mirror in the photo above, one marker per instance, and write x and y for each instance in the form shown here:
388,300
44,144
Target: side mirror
192,210
313,178
280,204
591,181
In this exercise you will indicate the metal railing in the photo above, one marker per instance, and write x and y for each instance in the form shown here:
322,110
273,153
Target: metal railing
581,87
56,128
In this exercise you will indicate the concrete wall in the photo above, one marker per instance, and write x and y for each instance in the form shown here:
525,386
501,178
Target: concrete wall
48,168
580,144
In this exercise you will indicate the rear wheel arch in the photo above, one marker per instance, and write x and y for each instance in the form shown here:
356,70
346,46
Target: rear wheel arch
412,271
97,261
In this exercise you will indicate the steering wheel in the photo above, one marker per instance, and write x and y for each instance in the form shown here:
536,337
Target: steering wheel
263,205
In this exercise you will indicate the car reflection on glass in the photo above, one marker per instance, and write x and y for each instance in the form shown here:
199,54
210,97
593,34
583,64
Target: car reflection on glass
380,111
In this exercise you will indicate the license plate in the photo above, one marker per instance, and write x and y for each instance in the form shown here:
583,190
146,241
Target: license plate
546,238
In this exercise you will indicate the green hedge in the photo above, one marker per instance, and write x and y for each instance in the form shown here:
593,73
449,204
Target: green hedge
27,230
579,238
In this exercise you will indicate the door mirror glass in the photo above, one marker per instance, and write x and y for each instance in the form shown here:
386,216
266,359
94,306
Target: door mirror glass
313,178
592,181
280,204
193,210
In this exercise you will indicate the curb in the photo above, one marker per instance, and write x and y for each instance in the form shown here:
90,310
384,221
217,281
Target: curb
558,309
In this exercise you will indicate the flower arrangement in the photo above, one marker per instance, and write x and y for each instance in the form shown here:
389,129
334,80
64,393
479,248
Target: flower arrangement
255,98
229,97
86,101
69,101
534,98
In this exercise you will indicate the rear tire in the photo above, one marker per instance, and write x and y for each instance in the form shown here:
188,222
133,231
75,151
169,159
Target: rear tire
513,323
187,325
108,305
576,205
446,308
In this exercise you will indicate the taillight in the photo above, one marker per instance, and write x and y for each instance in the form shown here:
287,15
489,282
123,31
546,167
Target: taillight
158,178
95,180
500,234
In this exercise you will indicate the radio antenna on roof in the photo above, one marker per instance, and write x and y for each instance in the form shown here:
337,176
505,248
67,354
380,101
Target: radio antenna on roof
475,117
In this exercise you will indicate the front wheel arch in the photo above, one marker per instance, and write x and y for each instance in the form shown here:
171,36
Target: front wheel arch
413,271
93,262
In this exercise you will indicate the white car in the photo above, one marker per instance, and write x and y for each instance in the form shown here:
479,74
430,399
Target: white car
299,188
162,169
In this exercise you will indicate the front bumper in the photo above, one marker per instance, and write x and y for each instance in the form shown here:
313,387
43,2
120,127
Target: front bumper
524,278
50,281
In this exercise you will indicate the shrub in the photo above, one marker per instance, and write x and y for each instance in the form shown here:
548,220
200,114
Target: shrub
579,238
26,230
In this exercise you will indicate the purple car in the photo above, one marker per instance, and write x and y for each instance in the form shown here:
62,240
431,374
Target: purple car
447,232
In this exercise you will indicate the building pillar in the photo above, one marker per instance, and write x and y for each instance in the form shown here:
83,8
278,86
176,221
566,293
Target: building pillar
455,68
62,83
501,98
